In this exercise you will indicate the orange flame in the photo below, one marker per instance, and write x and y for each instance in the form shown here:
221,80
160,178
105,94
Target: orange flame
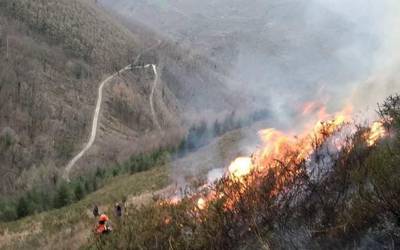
279,147
376,132
201,203
240,167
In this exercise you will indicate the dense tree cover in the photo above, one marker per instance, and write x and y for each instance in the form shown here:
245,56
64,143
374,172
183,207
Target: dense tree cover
202,133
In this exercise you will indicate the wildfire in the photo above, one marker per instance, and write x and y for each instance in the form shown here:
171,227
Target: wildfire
278,146
290,149
201,203
240,167
174,200
376,132
167,220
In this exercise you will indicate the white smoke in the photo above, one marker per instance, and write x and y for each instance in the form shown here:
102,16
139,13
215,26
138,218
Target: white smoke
284,53
384,79
215,174
377,22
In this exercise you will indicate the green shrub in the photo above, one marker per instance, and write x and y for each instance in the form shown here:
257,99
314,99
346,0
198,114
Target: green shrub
43,198
63,196
7,138
8,211
24,207
79,192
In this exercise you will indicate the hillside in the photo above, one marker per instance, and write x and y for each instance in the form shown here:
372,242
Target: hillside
48,230
329,189
220,124
56,53
336,209
279,54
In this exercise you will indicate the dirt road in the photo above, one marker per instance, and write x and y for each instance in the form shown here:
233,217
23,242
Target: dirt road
95,123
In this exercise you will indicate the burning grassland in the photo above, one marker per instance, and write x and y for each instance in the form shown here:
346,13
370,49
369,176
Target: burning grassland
286,155
326,185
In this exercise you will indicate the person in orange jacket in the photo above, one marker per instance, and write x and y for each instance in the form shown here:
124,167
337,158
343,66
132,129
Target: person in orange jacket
103,226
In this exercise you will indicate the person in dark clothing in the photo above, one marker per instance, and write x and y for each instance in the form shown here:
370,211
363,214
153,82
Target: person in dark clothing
118,210
95,211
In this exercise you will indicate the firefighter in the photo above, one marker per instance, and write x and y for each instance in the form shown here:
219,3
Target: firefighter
103,226
118,210
96,211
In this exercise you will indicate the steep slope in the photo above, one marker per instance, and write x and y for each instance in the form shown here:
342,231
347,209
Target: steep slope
95,123
198,82
82,29
139,115
197,79
57,54
48,230
54,56
268,47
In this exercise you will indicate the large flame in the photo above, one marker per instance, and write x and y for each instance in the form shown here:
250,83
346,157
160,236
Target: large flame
278,146
290,149
240,167
376,132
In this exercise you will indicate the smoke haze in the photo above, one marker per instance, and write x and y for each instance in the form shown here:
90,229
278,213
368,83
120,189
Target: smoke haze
285,55
288,53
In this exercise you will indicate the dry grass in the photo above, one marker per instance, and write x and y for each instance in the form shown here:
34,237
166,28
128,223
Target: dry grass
50,230
76,220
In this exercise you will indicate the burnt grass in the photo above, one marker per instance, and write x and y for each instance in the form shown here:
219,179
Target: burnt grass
356,204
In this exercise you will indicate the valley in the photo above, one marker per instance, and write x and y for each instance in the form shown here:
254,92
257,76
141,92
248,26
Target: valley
185,124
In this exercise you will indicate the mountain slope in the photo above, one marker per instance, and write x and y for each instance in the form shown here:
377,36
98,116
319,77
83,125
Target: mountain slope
48,230
55,54
82,29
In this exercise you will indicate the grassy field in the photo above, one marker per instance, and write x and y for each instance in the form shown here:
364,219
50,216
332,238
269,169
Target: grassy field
69,227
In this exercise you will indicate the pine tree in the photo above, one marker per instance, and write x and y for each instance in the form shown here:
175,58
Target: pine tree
79,192
63,196
217,128
23,208
8,212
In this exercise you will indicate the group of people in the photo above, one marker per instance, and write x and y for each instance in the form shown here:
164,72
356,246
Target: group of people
103,225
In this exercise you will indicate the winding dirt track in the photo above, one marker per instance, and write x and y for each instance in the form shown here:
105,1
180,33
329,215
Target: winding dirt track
153,88
94,123
97,110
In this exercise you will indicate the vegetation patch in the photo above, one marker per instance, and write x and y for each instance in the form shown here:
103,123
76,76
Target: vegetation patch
352,203
61,194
